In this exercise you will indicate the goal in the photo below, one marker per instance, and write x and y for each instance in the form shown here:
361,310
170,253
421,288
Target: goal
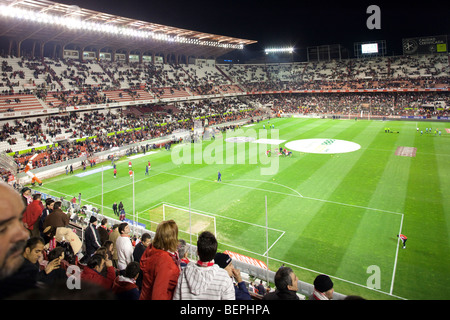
189,221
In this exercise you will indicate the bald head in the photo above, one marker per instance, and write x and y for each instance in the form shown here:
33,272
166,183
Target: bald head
13,235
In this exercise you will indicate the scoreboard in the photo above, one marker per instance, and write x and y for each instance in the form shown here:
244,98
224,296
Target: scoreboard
425,45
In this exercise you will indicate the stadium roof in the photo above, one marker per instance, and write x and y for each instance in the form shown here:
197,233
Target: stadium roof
52,22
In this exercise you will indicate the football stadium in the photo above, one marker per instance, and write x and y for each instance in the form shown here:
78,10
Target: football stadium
318,167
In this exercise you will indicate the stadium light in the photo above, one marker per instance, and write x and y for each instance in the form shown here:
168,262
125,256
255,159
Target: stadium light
75,24
279,50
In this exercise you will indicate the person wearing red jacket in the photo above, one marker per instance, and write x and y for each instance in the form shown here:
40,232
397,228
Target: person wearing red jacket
32,214
160,264
92,272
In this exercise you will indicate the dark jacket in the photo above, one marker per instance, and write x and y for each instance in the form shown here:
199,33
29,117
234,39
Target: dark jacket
241,291
91,239
281,295
25,278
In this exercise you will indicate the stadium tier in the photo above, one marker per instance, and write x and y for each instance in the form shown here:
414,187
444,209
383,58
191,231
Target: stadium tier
75,109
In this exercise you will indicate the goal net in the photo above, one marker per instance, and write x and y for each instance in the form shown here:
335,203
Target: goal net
189,222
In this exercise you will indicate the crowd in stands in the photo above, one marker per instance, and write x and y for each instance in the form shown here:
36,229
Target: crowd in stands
100,123
43,258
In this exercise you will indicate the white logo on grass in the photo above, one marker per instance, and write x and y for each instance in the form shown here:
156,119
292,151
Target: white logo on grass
237,148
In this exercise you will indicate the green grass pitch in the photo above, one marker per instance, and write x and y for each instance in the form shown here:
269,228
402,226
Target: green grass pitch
337,214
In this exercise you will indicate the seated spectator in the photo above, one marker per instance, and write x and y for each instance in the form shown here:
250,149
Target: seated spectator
224,261
323,288
204,280
160,264
286,283
92,272
58,273
29,275
124,286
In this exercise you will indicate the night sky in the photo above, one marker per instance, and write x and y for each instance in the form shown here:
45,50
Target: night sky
300,24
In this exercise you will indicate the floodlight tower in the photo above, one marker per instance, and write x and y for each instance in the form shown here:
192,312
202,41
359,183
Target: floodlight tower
281,50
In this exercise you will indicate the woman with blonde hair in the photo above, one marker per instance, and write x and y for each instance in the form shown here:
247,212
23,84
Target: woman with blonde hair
160,264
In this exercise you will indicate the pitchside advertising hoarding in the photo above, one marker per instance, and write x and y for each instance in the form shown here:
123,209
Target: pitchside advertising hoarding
424,45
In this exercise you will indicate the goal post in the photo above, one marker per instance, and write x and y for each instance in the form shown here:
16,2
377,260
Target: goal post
188,221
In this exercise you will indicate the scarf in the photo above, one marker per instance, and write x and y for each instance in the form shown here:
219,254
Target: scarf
205,264
319,295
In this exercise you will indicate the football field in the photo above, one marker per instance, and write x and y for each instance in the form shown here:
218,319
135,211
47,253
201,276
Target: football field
334,206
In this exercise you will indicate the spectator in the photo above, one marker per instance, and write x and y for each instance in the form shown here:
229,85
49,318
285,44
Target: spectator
32,214
204,280
26,196
286,283
223,260
103,231
261,289
57,274
92,272
160,264
91,237
323,288
12,243
113,238
45,213
139,249
57,218
124,286
183,253
29,273
124,247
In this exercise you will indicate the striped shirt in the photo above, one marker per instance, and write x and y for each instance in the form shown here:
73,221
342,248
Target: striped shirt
204,283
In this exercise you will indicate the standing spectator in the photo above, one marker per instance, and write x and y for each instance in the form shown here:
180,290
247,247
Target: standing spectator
160,265
47,210
26,196
57,218
286,283
124,247
103,231
240,289
92,272
32,214
323,288
124,286
139,249
113,238
204,280
183,253
12,242
91,237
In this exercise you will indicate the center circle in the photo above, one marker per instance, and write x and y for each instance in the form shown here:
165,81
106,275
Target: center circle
323,146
